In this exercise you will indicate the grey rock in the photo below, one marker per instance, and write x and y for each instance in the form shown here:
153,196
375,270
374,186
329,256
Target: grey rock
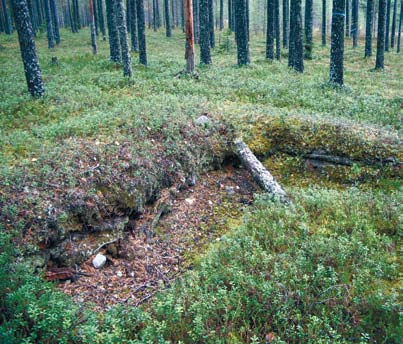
99,261
203,121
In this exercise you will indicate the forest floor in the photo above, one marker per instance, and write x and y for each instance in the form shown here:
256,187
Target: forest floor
323,270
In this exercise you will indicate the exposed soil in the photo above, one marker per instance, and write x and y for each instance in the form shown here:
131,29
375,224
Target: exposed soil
156,250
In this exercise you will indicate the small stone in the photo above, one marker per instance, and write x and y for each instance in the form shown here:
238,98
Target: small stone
230,190
119,274
99,261
203,120
189,201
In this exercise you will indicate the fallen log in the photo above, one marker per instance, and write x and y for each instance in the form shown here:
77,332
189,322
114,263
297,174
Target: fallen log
259,173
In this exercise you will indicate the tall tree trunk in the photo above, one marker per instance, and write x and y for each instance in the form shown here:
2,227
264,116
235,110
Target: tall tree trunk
222,15
337,43
101,18
388,7
173,14
241,32
124,44
72,23
77,14
183,16
211,23
368,28
348,28
277,28
380,43
400,27
190,53
231,15
393,33
323,22
168,30
114,46
286,15
205,56
296,37
308,29
354,23
92,28
49,25
270,30
32,70
141,28
133,24
8,29
196,20
55,21
95,19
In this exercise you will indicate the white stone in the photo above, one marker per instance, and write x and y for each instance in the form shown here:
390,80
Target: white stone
99,261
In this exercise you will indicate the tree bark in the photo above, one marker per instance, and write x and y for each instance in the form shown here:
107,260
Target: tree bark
32,70
8,29
308,29
221,15
400,27
101,18
296,51
92,29
49,25
387,32
241,32
286,15
337,43
124,44
114,46
141,28
259,173
211,23
133,24
55,21
368,28
270,30
205,56
168,30
393,33
380,44
354,23
277,28
190,53
348,29
323,22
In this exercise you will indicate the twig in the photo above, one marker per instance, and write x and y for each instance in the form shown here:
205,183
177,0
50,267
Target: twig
105,243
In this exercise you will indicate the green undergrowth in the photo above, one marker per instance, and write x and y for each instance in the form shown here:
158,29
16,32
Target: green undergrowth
322,271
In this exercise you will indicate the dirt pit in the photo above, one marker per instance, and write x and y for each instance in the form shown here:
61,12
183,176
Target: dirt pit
159,245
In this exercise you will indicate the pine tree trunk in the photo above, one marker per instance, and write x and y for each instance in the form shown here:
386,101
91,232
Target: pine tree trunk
32,70
141,28
173,14
2,24
114,46
337,43
49,25
221,15
190,53
155,22
205,56
296,37
400,27
8,29
92,29
133,24
286,15
196,21
55,21
354,23
393,33
168,30
183,16
72,24
368,28
380,43
211,23
95,19
124,44
270,30
230,24
323,22
387,32
77,14
277,28
101,18
308,29
348,29
241,32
